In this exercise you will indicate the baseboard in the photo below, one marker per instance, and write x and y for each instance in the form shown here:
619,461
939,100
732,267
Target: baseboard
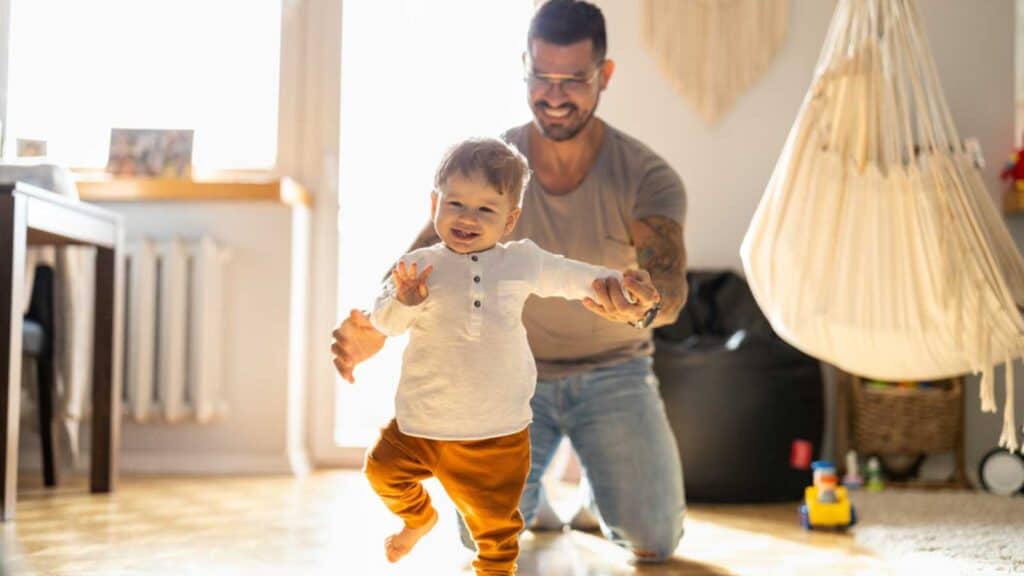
342,460
299,462
213,463
191,463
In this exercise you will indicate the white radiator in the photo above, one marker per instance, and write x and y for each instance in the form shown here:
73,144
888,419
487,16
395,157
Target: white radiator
174,330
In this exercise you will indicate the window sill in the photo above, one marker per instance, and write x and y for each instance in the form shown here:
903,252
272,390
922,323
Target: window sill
234,187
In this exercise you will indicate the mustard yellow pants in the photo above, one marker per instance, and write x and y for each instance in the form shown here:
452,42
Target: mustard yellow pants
484,478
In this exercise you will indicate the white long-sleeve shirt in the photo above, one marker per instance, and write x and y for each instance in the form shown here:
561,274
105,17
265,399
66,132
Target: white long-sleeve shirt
468,372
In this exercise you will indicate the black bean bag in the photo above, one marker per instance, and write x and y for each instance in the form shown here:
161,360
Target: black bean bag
737,396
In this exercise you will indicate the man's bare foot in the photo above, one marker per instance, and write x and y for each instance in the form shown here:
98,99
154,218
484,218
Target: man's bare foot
400,544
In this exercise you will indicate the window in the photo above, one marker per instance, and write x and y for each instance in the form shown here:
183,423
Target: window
78,69
416,78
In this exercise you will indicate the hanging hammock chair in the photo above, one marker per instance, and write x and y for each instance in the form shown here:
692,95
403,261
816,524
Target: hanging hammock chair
713,50
876,246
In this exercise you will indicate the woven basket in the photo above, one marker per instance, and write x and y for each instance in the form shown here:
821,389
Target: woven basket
895,420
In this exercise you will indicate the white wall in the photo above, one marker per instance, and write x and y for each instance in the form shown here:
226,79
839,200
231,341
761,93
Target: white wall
5,38
265,274
725,167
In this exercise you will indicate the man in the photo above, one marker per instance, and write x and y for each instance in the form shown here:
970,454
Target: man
600,196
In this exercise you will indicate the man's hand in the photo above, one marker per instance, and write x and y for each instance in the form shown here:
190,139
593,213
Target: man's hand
410,288
355,340
611,303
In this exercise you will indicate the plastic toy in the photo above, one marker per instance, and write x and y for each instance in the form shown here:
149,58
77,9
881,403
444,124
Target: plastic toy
875,482
852,480
826,504
1013,171
1002,472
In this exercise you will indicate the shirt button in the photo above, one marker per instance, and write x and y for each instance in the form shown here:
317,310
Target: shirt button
476,279
477,303
475,257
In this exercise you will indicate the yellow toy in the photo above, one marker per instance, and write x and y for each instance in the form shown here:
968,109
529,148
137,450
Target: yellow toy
826,504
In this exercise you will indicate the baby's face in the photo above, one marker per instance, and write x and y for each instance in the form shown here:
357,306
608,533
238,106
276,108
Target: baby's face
470,215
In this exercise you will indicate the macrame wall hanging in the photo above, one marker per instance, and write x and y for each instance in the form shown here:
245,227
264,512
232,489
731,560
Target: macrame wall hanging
876,246
713,50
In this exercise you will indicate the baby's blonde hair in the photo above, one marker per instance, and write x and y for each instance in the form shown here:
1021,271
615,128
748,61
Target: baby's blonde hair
499,164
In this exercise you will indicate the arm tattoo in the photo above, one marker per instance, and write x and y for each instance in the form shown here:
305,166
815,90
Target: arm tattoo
660,251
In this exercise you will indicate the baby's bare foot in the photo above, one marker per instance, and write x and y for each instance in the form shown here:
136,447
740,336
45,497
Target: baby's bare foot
400,544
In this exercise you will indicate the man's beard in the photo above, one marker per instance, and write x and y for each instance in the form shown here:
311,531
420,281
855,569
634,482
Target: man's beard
561,133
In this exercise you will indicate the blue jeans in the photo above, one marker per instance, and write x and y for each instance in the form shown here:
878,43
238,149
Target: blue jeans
616,421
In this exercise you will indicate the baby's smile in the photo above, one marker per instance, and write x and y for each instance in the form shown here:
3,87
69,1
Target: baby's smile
464,235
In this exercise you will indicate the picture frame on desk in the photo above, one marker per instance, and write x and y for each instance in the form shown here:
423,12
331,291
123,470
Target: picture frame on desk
150,153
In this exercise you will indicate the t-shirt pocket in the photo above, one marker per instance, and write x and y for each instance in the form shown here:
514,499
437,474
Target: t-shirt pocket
511,295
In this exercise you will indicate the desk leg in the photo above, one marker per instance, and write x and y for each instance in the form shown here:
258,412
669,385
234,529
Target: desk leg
12,278
106,393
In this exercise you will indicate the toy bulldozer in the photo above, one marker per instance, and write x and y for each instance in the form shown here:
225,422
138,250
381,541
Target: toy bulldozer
826,504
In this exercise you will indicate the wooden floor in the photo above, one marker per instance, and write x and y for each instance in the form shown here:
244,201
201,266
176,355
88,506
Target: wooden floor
331,523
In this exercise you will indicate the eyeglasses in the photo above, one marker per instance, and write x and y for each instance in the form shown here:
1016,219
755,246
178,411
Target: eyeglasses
570,83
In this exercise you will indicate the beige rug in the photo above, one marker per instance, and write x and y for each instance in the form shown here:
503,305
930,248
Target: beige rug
943,532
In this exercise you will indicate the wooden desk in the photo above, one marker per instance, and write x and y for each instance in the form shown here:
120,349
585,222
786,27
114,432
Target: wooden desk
31,216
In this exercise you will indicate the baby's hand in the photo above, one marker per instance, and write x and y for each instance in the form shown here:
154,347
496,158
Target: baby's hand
410,288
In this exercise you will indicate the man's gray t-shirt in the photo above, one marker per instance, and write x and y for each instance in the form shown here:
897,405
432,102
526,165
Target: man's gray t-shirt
592,223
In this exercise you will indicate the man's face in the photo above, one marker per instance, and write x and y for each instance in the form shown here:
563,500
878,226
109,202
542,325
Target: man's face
564,85
470,215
